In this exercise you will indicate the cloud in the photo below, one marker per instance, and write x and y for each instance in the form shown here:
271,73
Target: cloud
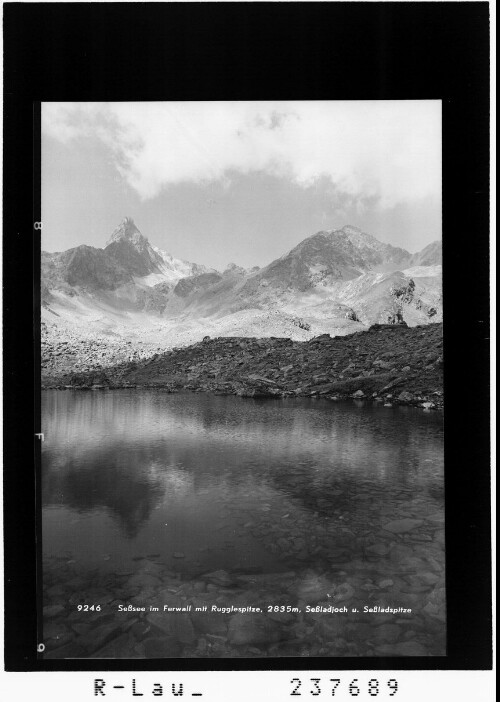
385,149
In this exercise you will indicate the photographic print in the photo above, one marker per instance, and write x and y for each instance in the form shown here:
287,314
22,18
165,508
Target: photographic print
242,394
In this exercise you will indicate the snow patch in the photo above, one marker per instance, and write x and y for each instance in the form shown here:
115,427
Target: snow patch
424,271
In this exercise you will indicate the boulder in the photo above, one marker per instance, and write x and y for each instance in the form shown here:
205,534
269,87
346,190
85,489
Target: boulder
384,365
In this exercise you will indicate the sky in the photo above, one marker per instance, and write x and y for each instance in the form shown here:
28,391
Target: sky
242,182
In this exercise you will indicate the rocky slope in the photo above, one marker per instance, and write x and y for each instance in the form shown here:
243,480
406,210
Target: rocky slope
330,256
387,363
431,255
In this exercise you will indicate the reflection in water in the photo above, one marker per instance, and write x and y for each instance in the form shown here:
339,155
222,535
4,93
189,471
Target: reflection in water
106,482
200,483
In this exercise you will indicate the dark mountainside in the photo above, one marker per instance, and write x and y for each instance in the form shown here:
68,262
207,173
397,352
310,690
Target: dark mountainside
387,363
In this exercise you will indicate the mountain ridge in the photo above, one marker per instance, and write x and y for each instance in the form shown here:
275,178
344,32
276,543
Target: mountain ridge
331,255
127,255
335,281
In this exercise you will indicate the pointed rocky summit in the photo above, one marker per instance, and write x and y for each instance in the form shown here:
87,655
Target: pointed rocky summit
132,250
128,230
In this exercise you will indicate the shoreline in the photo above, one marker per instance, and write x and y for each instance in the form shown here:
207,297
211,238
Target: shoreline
395,402
393,364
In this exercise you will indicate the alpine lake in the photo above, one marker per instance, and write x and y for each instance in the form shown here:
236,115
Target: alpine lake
192,525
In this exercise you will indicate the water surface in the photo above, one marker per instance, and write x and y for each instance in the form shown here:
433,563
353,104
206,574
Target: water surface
202,500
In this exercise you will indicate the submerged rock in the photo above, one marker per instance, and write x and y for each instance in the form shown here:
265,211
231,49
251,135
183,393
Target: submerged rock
387,632
249,629
209,623
378,549
177,625
405,648
221,577
98,636
69,650
165,647
121,647
400,526
343,592
52,610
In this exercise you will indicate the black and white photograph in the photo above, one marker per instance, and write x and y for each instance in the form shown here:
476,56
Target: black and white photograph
242,380
247,350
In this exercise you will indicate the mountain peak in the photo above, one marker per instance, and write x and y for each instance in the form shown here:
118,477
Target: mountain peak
127,229
350,229
132,250
358,237
232,268
363,241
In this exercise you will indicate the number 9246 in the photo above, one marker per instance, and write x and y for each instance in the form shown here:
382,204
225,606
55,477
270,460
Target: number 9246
89,608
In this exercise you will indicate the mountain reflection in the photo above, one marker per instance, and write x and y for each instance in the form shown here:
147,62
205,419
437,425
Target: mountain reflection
130,452
110,480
